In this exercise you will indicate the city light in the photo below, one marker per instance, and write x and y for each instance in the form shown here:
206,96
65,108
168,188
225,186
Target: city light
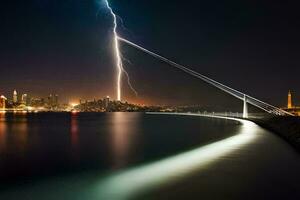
121,100
74,104
74,112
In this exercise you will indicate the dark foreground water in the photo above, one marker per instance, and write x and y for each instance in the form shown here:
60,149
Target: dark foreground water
142,156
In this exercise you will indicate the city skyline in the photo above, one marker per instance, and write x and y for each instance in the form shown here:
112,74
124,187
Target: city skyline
131,99
15,97
26,103
83,67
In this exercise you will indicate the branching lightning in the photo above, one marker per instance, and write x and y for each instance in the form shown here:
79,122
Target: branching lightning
251,100
128,79
118,56
117,51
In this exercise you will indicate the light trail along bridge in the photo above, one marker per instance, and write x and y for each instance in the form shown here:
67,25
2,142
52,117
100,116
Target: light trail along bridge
247,99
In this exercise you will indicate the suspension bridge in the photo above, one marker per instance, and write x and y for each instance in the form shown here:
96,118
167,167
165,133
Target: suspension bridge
246,99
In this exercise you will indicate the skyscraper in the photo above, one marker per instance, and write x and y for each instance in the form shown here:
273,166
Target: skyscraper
56,100
50,100
290,104
15,97
24,99
2,102
106,102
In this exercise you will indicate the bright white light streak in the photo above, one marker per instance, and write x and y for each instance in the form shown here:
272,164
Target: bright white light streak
129,183
255,102
118,56
117,51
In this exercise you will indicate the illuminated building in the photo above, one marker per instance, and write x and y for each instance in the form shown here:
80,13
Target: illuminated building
2,102
24,99
15,97
295,110
290,104
50,100
37,102
106,101
55,100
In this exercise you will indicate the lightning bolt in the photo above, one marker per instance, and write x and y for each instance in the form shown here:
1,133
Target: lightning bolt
118,56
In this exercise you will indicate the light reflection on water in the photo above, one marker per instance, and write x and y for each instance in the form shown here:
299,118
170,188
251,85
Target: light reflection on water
123,137
130,183
3,130
20,136
17,139
240,152
74,136
74,130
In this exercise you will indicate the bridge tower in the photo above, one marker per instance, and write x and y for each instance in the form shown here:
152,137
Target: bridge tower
290,104
245,108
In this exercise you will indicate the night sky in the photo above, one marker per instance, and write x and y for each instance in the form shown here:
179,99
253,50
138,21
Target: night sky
64,47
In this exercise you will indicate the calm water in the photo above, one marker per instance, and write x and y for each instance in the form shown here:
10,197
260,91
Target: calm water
141,156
